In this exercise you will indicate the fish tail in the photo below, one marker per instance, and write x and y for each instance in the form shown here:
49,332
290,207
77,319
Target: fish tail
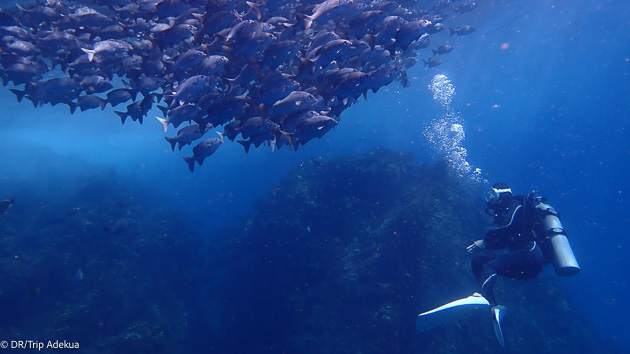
191,163
163,121
308,21
255,8
452,31
90,53
171,141
221,135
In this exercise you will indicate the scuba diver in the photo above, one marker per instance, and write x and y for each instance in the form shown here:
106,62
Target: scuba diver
532,233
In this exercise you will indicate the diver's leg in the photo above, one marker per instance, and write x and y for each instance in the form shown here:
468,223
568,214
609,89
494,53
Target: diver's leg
523,264
485,272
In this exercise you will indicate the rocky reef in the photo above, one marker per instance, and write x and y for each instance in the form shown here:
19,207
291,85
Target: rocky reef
102,267
339,257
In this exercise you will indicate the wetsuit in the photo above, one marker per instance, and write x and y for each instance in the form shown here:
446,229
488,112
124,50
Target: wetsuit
515,232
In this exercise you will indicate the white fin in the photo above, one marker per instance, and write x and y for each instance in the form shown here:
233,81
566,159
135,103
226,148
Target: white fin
90,53
163,121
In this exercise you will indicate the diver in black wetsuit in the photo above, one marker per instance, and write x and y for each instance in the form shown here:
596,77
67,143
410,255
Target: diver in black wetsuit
516,231
518,224
532,232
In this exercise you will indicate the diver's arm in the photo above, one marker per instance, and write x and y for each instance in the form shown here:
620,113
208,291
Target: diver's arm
496,239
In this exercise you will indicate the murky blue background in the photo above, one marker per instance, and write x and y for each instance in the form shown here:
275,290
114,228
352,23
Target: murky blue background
542,90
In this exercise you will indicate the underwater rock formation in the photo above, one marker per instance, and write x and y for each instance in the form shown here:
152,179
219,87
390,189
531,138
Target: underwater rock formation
102,268
340,258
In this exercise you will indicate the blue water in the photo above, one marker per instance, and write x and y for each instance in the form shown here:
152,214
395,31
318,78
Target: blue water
543,92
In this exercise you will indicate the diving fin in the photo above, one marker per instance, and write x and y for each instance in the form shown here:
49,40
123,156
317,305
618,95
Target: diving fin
498,312
437,316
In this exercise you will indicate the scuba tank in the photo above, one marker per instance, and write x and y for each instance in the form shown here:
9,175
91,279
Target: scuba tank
554,241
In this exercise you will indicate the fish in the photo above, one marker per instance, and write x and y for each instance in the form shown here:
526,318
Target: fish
462,30
204,149
179,115
187,135
193,88
432,62
443,49
294,102
274,72
326,11
465,7
109,46
120,95
5,205
311,128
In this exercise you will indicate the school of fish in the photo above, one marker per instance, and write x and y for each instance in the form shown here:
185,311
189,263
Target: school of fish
272,72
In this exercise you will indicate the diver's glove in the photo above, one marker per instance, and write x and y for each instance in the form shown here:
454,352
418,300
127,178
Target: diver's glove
477,246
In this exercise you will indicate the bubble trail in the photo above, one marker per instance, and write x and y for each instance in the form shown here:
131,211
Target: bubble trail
446,133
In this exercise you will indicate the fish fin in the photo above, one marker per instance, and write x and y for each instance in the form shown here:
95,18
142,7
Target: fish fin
22,10
255,8
90,53
73,107
272,143
122,115
19,94
288,136
171,141
163,121
308,21
191,163
221,135
246,144
35,102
